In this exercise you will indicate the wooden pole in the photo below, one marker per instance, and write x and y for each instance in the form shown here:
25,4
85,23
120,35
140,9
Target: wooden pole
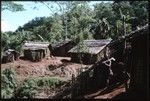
124,26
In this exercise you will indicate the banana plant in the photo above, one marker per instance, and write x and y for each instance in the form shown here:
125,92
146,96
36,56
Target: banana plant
102,29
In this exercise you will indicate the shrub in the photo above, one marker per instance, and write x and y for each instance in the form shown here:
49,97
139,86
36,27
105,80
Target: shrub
27,90
30,86
48,81
8,83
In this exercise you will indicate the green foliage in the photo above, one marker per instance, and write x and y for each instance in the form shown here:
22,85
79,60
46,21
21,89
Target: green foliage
133,12
31,85
4,41
13,40
11,6
8,83
76,19
27,90
102,29
104,10
48,81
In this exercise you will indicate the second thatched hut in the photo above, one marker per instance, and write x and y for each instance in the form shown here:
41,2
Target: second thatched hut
90,51
62,48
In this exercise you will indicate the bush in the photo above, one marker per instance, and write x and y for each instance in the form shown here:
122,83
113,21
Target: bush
30,86
8,83
27,90
48,81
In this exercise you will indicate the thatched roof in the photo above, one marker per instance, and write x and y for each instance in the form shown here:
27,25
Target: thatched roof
138,32
90,46
35,45
7,52
59,44
133,34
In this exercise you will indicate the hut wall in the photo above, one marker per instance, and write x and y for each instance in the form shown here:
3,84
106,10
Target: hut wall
75,57
47,52
27,54
13,55
8,58
101,55
35,55
59,51
139,67
89,58
68,47
86,58
16,55
116,50
63,50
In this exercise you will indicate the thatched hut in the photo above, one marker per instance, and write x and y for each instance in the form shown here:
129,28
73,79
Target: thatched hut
35,51
90,51
10,55
62,48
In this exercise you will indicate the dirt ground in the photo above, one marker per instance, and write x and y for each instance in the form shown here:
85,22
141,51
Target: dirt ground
111,94
54,67
60,67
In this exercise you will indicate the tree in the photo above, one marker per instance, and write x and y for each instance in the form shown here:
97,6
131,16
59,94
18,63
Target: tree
11,6
102,29
136,12
80,17
104,10
80,22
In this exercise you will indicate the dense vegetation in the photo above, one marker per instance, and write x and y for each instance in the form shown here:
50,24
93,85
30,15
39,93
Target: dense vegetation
12,88
31,86
8,83
79,21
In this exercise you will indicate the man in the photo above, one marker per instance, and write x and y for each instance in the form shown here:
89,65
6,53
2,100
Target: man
109,75
103,73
